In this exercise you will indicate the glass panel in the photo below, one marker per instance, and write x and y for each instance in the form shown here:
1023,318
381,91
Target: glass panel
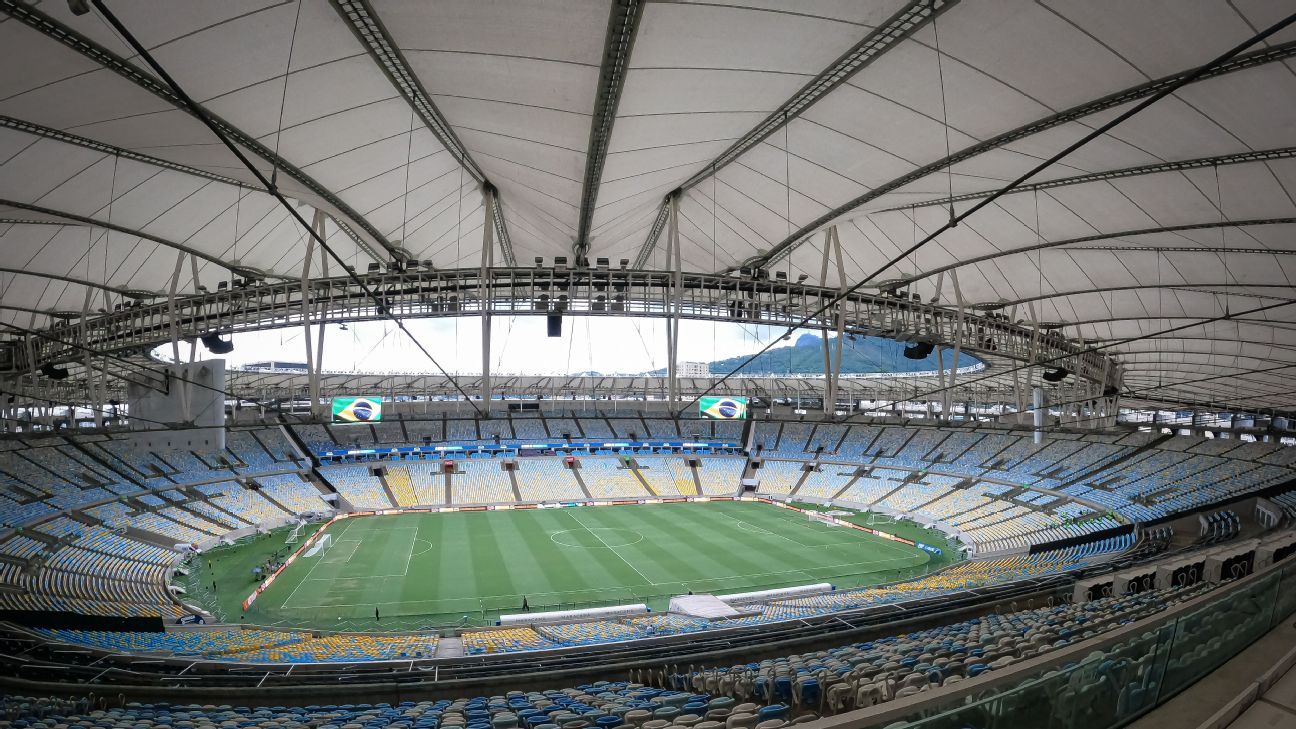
1285,602
1112,686
1215,633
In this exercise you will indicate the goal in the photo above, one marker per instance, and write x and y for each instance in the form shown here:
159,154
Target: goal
321,546
822,518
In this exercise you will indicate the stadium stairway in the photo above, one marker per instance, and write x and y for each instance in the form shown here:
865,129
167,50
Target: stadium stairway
98,459
273,502
513,483
387,489
888,494
849,483
938,497
580,480
634,468
448,647
1086,473
800,482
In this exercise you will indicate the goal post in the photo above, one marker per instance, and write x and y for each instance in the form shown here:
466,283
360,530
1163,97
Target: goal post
822,518
320,546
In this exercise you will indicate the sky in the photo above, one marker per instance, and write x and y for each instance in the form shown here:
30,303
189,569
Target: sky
519,345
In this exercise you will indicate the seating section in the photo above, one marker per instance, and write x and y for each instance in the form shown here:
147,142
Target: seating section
607,478
401,485
962,576
721,475
826,482
292,493
481,482
357,485
999,490
779,477
667,475
427,480
873,672
547,479
256,646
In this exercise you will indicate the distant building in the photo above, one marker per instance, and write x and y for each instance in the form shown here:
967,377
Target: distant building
694,369
275,366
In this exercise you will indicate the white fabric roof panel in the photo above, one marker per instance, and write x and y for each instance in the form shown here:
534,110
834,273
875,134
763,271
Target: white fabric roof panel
517,84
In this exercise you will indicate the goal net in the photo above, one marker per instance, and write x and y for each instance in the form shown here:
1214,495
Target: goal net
822,518
321,546
296,533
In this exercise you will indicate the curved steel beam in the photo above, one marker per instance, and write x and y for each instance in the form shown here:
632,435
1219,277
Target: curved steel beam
128,293
369,30
60,33
1194,287
905,280
103,148
38,130
623,26
1224,160
1271,54
82,220
899,27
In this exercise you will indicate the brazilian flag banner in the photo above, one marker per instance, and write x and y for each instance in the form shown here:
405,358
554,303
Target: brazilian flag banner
723,408
357,409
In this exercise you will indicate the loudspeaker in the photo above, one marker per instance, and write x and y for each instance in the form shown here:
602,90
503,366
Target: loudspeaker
54,373
1056,375
215,344
555,325
918,350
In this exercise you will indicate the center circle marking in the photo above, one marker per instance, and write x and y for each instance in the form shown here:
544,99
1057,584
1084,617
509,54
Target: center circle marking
596,537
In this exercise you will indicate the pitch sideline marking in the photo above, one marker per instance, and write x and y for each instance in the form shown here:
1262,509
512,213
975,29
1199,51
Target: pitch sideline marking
888,544
312,569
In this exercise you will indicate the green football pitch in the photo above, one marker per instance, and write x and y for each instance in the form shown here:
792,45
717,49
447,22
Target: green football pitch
428,569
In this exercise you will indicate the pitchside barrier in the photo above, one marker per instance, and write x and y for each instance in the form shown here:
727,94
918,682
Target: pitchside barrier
574,616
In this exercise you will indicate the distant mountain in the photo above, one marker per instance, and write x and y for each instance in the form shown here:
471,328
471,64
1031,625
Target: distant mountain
860,355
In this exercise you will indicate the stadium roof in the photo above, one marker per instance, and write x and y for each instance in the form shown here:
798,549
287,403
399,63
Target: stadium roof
771,121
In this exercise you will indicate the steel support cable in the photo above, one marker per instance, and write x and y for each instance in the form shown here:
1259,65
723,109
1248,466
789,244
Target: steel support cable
1136,392
1099,348
1268,54
1168,90
202,116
